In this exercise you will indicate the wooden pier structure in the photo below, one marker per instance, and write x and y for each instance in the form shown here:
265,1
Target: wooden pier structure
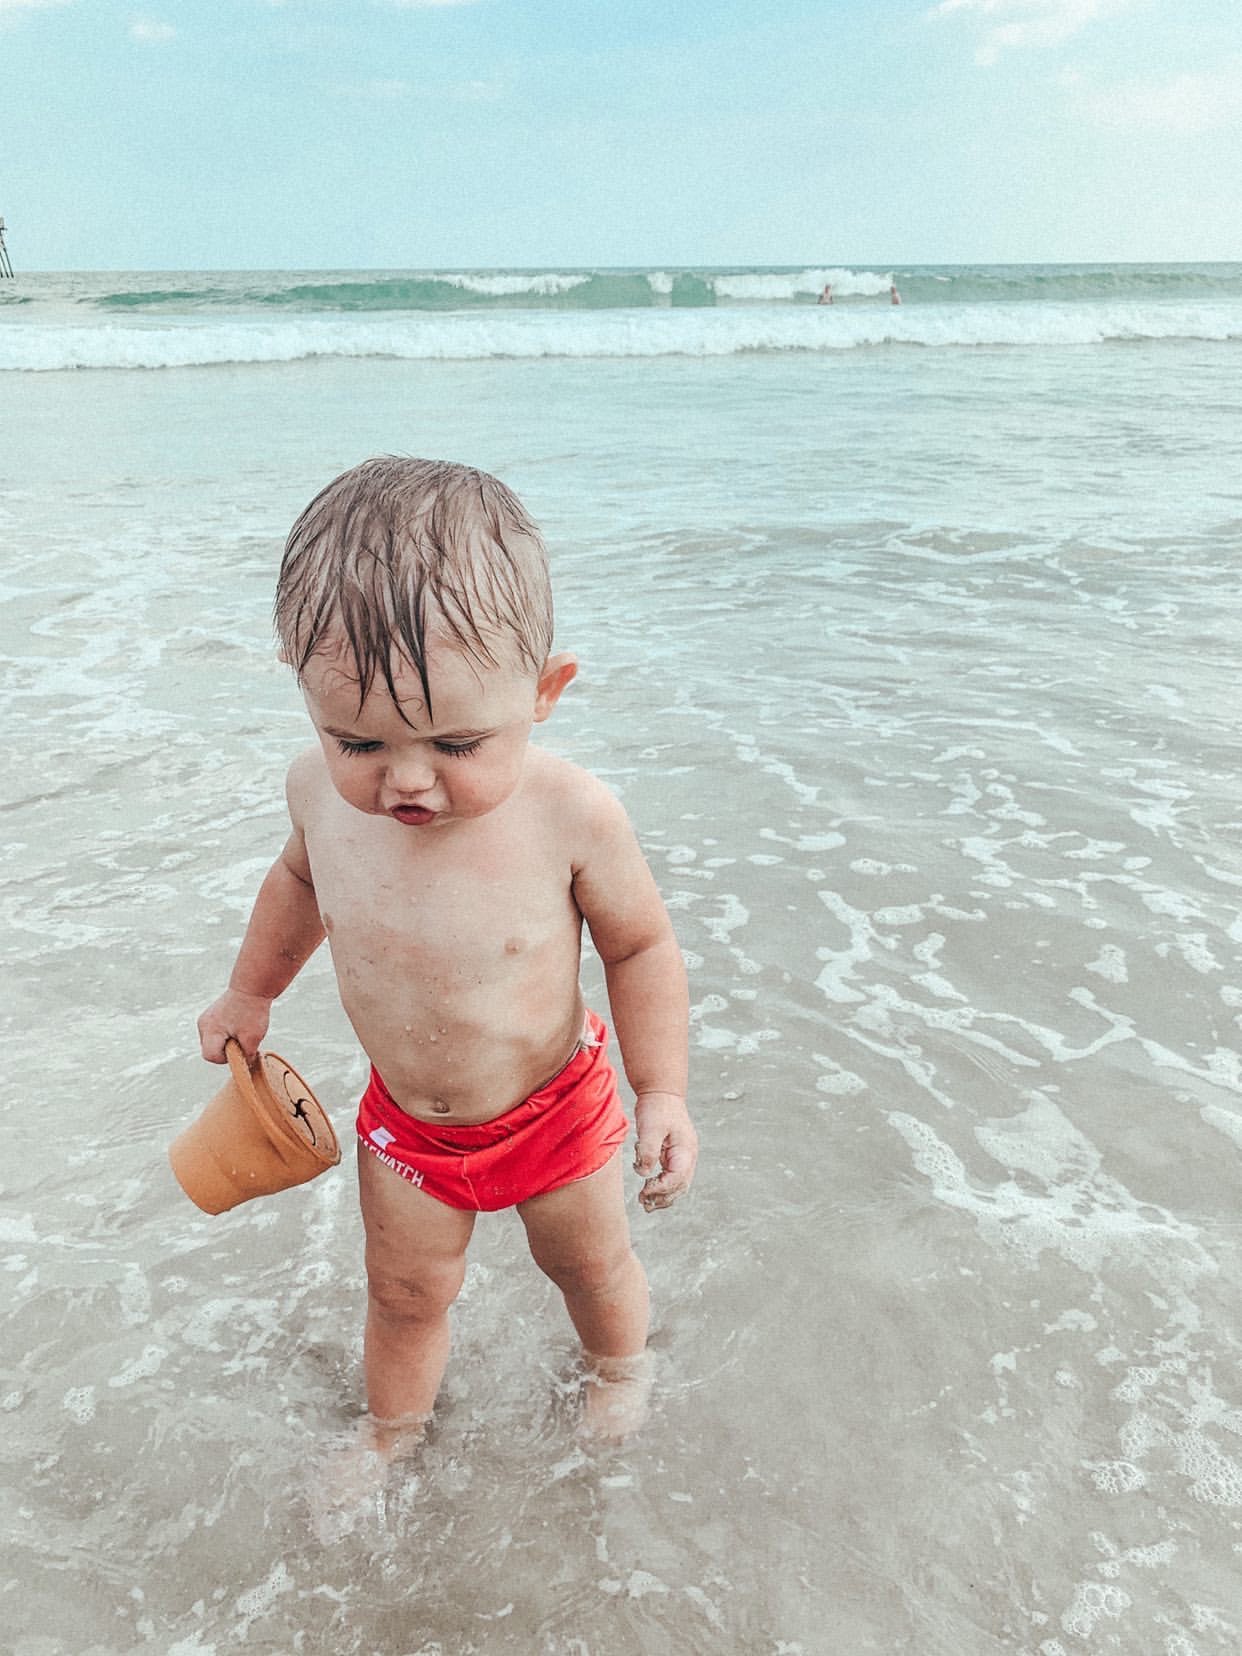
6,269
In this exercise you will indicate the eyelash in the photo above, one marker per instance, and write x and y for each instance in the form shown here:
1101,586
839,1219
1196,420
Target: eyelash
353,749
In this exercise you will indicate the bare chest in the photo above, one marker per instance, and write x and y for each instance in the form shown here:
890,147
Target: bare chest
459,914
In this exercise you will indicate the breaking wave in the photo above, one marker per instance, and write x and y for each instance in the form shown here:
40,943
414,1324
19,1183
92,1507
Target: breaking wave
197,341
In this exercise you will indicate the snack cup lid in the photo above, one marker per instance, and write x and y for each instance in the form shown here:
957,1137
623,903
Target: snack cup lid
287,1108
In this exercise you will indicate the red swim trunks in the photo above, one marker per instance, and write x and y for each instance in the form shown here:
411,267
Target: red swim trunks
563,1132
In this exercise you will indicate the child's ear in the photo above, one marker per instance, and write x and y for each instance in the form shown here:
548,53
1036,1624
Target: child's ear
558,671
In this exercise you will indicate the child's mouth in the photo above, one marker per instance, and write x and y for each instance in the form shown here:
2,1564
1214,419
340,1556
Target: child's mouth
411,814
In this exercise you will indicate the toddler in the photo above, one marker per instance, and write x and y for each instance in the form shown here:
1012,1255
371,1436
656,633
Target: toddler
451,864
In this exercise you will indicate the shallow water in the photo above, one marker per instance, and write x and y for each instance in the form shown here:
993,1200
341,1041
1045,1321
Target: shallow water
917,675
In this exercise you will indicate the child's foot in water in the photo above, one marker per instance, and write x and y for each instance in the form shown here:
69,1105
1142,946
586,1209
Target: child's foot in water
349,1488
616,1394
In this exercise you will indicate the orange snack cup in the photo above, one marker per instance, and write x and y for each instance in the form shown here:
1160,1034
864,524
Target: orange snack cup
263,1131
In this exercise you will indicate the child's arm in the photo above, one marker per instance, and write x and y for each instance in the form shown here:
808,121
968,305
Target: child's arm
284,931
647,993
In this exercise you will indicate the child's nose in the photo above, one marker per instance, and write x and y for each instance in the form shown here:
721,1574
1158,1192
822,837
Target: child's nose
411,773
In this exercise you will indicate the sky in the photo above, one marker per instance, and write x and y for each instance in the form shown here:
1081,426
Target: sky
388,134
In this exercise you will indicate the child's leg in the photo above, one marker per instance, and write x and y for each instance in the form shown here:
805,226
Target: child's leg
579,1235
416,1262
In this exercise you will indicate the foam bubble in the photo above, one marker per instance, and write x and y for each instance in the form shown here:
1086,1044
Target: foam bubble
734,913
79,1403
838,1082
1217,1476
641,1583
907,916
1110,963
1091,1601
142,1367
1116,1477
1225,1121
258,1600
1194,950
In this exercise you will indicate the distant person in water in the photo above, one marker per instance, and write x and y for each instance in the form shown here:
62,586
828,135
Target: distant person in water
825,297
893,295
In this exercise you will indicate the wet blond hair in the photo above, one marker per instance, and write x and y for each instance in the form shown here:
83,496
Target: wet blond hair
395,550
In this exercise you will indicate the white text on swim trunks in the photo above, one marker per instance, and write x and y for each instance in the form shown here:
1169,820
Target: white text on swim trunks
377,1141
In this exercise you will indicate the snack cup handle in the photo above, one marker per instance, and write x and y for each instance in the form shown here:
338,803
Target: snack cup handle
240,1065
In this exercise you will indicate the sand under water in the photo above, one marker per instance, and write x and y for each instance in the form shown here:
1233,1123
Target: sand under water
917,672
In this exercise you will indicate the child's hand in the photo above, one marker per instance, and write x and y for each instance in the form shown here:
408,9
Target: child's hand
667,1150
237,1016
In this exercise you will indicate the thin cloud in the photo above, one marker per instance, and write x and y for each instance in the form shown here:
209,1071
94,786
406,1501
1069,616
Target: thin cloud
30,5
480,91
1017,24
422,5
374,91
1207,101
151,31
391,91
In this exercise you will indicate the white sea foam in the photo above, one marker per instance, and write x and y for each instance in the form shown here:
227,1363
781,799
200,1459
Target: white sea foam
40,347
781,285
539,285
80,1404
142,1367
258,1600
1081,1212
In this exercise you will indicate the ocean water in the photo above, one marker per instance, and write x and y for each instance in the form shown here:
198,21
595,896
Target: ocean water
908,636
171,319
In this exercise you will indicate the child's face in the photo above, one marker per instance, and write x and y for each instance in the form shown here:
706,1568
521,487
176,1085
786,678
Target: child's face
426,773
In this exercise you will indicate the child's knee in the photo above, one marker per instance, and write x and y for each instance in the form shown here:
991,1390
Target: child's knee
419,1297
594,1271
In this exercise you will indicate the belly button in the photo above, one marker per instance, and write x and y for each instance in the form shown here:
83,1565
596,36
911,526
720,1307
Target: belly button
440,1107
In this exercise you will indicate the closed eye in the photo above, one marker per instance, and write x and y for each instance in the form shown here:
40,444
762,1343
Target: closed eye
455,750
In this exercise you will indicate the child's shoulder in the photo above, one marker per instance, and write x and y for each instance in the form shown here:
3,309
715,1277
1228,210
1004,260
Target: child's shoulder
305,779
578,799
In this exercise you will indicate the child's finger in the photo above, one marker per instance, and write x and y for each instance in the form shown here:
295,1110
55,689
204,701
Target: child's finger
679,1160
211,1043
647,1157
659,1193
671,1182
